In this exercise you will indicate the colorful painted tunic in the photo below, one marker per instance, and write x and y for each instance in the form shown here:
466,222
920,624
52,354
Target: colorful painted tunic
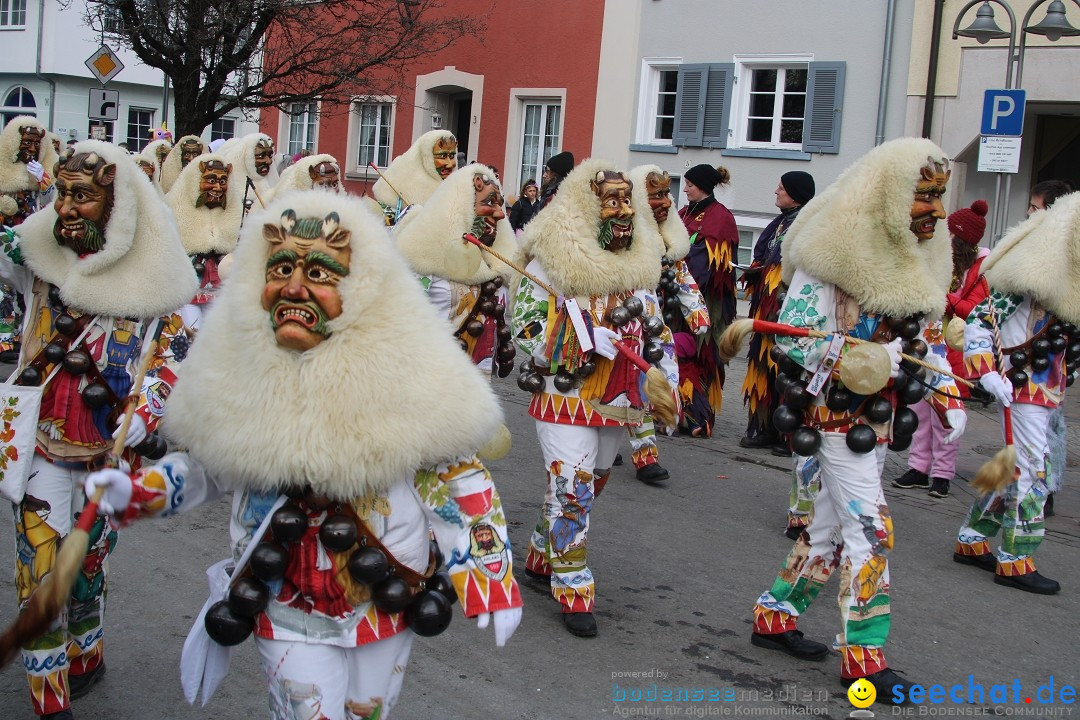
317,601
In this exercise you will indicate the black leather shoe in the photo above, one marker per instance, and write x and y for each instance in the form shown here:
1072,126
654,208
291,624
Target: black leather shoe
62,715
650,474
793,643
885,682
79,685
1031,582
793,533
781,449
539,577
1048,506
618,460
986,561
582,624
758,441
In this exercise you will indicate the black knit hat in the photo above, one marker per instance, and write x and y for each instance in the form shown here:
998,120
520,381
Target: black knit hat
561,164
799,186
704,177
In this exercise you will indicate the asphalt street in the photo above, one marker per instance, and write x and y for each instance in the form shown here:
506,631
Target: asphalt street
677,567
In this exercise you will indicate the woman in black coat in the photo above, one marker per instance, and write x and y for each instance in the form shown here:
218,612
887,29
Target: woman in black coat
526,206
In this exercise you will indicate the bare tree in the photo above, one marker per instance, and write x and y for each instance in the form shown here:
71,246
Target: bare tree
250,54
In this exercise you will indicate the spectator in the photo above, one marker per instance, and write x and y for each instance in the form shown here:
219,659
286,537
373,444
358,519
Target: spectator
526,206
557,168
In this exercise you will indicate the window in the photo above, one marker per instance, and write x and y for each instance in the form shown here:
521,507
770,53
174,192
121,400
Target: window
656,112
138,128
303,122
19,101
783,104
12,13
541,128
373,133
111,20
105,134
223,129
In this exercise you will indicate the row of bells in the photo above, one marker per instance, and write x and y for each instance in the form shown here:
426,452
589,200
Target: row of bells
668,290
531,381
490,306
1060,337
230,621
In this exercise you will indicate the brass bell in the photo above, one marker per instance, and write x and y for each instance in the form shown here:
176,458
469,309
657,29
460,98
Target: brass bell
95,395
77,362
65,325
619,316
634,306
475,328
564,381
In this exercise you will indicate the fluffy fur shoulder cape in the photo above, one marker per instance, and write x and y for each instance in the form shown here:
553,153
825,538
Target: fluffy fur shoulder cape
170,169
1040,257
673,234
412,173
241,151
563,238
857,235
204,229
430,236
14,176
298,176
387,392
141,272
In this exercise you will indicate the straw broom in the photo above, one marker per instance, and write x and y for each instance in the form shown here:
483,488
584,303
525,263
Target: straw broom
54,592
1000,470
656,385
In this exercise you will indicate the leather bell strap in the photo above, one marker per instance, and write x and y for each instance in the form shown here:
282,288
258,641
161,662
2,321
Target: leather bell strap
82,326
1026,345
366,538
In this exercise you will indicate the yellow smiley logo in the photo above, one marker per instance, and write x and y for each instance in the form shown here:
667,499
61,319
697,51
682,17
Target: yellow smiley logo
862,693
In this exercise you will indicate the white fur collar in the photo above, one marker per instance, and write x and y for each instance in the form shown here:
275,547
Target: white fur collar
14,176
388,392
1046,261
141,272
673,234
298,176
430,236
241,151
170,169
412,173
563,238
856,235
204,229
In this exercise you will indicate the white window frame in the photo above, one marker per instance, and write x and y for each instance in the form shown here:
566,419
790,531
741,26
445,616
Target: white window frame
235,121
352,166
8,10
648,97
136,144
515,125
285,127
744,67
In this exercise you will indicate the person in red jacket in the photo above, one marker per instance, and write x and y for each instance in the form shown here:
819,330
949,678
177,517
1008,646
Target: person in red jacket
932,461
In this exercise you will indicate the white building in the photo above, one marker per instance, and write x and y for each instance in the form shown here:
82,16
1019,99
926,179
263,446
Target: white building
44,74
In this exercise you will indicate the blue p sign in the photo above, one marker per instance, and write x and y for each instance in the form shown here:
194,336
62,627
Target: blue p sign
1003,112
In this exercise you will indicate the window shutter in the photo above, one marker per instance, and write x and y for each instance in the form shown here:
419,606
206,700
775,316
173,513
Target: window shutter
824,107
717,105
690,105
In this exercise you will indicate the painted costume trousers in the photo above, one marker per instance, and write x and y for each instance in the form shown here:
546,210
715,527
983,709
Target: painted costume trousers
643,443
805,486
929,452
73,645
1017,509
578,461
309,681
1057,440
850,528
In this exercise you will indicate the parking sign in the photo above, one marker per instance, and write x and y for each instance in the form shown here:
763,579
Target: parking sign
1003,112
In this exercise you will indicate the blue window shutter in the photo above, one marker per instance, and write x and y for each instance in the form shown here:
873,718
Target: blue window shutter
824,107
717,105
690,105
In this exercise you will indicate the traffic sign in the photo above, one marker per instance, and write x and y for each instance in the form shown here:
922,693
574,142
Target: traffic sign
104,64
1003,112
999,154
104,104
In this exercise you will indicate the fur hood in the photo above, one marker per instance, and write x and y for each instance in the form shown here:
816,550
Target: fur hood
389,391
563,237
141,272
170,169
857,235
1040,257
13,173
242,154
412,173
430,236
149,154
204,229
673,234
298,177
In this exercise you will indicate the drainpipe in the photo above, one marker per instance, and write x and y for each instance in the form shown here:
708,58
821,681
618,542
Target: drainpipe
886,70
931,72
37,67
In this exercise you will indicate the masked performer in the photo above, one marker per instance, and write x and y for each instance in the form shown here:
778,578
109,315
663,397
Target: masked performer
311,171
1023,344
681,301
415,174
104,269
253,157
315,301
581,246
862,260
714,244
466,285
186,149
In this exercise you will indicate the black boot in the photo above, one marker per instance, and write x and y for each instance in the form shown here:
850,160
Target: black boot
1031,582
1048,506
793,643
79,685
652,474
986,561
582,624
885,682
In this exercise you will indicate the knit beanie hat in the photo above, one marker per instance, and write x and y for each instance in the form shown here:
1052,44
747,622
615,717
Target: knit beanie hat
704,177
968,224
799,186
561,164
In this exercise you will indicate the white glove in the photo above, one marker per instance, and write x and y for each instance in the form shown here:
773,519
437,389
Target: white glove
117,486
893,348
506,622
602,338
136,431
998,387
36,169
957,420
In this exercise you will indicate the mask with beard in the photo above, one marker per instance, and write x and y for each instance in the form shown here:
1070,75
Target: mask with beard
616,215
214,184
84,201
